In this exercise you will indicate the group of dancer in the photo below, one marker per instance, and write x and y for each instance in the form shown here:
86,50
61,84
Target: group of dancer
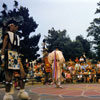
13,67
55,59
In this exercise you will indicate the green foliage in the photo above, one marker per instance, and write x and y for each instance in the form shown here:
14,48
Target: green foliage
94,31
70,49
28,25
73,49
85,44
56,38
98,51
29,47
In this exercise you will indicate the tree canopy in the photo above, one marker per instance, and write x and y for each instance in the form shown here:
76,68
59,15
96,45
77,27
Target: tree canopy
94,32
56,38
70,49
85,44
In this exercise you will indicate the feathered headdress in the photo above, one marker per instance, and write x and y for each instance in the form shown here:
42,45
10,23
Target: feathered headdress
7,15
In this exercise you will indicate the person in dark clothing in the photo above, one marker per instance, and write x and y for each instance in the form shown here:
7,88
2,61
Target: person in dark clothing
11,62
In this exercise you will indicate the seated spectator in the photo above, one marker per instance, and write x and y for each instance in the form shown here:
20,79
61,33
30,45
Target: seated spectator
38,75
70,67
98,64
70,62
79,76
64,66
76,60
82,66
89,75
35,66
89,66
93,75
98,75
85,66
81,59
77,66
68,76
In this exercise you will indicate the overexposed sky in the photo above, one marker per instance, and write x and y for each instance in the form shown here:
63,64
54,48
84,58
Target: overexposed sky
73,15
69,0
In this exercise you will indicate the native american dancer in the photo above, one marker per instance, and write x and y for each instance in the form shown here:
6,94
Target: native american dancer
47,68
56,58
11,62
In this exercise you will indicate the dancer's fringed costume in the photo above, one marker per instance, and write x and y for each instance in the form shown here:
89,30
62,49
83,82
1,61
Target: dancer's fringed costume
56,58
11,62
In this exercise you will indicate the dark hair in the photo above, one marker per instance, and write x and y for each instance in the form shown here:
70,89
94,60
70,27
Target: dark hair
12,22
57,47
45,50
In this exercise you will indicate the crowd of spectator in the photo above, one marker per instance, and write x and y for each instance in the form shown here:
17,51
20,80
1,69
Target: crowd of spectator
79,70
82,71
